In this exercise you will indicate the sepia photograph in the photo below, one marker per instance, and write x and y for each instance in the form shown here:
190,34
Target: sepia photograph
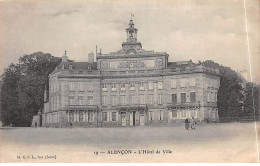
160,81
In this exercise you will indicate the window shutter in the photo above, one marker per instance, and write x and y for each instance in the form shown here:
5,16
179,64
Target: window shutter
158,115
116,116
170,114
149,115
110,113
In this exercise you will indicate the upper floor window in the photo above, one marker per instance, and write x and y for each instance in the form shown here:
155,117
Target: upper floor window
81,86
104,87
81,101
183,97
160,99
132,99
192,97
182,83
192,82
160,85
132,86
122,100
90,100
113,100
90,86
150,99
122,85
104,100
141,86
113,86
142,99
70,66
174,98
150,85
174,84
71,86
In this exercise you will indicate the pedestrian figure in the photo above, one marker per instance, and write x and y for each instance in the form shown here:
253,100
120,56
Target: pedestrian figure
193,123
187,124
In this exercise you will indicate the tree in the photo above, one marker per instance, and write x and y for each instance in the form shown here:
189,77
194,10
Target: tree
23,87
230,93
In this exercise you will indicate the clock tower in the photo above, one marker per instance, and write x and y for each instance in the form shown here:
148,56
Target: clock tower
131,46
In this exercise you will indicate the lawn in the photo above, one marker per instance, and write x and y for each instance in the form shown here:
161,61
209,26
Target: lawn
218,142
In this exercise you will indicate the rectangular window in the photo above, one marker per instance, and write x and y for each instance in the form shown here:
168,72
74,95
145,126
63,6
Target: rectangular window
160,85
174,98
90,86
122,86
160,99
104,87
212,97
132,86
183,97
81,86
150,99
216,97
113,116
142,100
104,100
113,100
132,99
174,84
192,97
90,116
113,87
151,115
122,99
71,86
104,116
90,100
141,86
81,101
208,96
150,85
160,115
71,100
192,82
182,83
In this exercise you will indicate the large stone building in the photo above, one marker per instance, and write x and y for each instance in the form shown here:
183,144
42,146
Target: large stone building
131,87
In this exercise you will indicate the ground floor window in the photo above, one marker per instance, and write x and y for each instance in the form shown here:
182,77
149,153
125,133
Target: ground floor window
151,115
71,117
104,116
174,114
113,116
90,116
160,115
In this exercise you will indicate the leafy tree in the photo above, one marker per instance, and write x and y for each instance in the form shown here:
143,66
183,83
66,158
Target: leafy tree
251,103
230,93
23,87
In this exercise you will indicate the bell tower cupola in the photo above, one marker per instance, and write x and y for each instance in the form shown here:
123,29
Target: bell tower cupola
131,32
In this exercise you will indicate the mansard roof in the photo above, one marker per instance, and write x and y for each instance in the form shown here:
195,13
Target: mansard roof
77,65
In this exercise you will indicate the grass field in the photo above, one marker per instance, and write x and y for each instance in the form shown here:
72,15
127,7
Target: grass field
219,142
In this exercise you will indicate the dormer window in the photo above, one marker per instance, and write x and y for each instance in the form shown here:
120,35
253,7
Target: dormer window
70,66
89,66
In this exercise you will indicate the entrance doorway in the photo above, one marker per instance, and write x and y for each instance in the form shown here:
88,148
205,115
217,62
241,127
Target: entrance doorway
141,120
123,120
40,121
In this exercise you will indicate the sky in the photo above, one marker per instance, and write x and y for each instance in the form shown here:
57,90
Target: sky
185,29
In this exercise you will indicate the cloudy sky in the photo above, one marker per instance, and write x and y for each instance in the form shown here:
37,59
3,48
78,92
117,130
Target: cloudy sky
185,29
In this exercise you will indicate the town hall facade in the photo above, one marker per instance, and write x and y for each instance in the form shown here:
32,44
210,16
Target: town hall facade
131,87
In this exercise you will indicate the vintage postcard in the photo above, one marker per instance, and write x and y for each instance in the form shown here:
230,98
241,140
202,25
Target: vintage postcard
160,81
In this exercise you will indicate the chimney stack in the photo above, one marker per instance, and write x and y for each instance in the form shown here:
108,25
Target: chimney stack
91,57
